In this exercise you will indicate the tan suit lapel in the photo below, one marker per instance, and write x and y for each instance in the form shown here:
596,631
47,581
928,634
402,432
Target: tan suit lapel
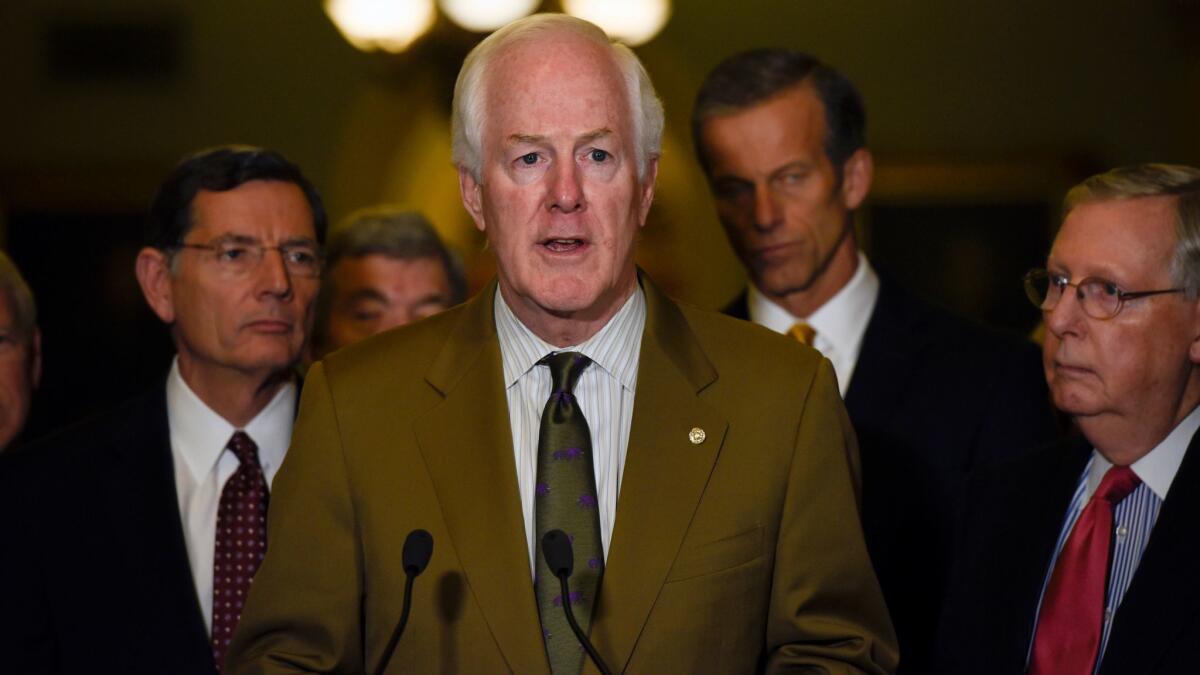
664,476
467,446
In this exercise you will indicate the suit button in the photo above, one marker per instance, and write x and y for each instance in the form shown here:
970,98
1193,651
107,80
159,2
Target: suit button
696,436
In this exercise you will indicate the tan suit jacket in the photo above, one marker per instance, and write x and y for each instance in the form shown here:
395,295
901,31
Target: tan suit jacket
739,554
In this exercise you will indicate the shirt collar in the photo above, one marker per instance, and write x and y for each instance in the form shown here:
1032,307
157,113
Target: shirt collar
200,434
614,348
841,321
1158,467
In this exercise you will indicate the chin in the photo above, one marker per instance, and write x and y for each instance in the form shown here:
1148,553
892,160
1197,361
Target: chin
567,296
270,361
1073,402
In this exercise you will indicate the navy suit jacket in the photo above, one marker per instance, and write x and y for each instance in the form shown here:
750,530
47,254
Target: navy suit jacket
932,396
1013,518
94,573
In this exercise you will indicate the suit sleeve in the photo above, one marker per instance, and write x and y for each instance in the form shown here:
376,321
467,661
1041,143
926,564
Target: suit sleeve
303,613
826,613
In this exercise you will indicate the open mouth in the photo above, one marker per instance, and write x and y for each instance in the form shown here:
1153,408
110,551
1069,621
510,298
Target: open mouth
563,245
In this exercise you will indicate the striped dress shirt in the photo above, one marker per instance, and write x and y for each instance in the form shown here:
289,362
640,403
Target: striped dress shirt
605,393
1133,518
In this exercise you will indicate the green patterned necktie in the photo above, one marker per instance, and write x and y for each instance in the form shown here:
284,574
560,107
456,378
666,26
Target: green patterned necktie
565,499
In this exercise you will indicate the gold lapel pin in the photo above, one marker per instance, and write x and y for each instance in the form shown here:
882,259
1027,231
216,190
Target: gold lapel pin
697,436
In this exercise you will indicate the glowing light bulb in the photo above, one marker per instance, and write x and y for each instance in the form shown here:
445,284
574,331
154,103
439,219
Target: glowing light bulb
633,22
390,25
483,16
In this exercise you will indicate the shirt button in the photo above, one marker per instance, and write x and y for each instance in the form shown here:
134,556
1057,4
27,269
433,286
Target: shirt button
1107,616
1122,531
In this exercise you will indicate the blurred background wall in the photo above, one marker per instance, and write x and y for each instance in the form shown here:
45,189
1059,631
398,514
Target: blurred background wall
980,115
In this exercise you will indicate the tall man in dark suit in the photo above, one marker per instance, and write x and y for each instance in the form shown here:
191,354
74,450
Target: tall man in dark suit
710,495
782,139
1081,558
130,540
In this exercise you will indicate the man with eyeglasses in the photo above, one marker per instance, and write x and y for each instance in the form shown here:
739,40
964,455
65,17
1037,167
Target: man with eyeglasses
130,541
1081,558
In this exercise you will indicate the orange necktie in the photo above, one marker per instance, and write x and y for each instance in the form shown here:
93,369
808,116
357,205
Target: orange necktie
803,333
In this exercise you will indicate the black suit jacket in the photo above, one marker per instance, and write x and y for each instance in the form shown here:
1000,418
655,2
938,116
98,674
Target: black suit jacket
94,574
932,396
1013,519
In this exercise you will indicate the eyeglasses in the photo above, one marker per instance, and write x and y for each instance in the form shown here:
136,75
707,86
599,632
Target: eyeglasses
1099,298
239,257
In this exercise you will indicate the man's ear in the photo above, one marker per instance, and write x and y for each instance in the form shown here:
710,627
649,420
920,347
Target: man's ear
472,197
857,174
153,269
647,197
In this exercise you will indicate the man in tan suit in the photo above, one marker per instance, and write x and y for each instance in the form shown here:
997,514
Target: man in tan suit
722,483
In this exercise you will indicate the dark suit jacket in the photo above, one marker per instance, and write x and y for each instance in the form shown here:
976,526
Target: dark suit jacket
1014,516
94,574
932,396
737,554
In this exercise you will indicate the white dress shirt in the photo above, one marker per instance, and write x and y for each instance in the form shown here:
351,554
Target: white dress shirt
202,465
839,323
605,394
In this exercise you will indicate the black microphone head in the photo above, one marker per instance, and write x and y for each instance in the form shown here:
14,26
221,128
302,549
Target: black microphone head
418,548
556,549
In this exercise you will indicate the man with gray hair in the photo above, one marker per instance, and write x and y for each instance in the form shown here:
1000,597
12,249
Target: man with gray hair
20,351
385,267
700,473
1081,558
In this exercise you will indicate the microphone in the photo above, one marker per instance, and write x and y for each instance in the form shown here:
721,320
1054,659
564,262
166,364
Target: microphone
560,558
418,549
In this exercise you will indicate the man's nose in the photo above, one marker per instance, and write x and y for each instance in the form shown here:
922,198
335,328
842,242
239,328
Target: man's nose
1067,316
273,275
767,213
566,188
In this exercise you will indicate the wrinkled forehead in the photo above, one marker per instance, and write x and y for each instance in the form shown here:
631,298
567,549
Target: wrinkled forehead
1117,237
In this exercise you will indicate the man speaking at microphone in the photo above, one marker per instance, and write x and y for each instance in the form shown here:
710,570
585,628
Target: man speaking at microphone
704,467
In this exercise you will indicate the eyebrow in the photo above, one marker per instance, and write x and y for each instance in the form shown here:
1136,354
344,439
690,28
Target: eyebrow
773,173
248,240
366,294
537,139
431,299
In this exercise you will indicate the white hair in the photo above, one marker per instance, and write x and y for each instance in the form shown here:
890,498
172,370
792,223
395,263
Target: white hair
470,88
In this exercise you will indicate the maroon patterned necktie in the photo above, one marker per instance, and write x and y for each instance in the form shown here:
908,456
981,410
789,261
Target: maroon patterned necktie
241,542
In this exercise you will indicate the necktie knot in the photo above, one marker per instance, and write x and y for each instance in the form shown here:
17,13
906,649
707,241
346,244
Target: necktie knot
244,448
1117,484
803,333
565,369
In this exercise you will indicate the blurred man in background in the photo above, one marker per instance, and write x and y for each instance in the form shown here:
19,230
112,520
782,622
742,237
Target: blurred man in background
782,138
130,540
20,352
385,267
